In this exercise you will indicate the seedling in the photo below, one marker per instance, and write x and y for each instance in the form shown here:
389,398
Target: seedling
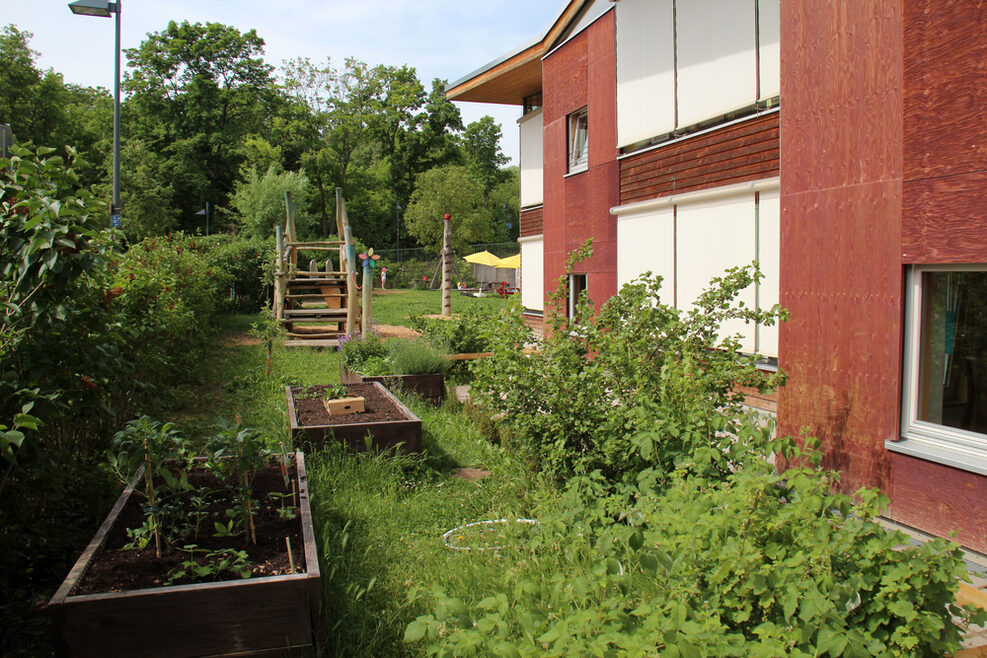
211,565
146,442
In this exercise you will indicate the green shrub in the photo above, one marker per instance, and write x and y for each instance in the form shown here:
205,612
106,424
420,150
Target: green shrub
373,356
464,333
248,266
642,385
365,354
168,294
675,535
758,564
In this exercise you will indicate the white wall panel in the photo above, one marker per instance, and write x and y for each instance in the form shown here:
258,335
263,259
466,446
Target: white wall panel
646,241
769,258
645,77
713,236
533,274
716,60
532,155
769,39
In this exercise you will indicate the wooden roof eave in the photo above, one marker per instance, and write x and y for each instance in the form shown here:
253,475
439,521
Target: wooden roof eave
509,79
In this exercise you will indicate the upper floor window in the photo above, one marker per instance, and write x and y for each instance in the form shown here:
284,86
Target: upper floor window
532,103
578,140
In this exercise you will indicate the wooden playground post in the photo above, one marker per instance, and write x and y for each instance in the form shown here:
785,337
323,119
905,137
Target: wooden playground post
291,237
447,265
347,262
279,274
368,291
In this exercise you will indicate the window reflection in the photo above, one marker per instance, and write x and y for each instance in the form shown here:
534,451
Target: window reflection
953,362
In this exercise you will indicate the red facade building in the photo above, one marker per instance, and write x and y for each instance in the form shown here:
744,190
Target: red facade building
842,146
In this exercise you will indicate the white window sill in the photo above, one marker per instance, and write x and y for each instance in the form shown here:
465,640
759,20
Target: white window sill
578,169
942,451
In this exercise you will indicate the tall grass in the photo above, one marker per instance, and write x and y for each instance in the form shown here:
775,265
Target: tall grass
379,520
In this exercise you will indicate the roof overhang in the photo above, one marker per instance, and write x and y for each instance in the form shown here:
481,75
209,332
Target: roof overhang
509,79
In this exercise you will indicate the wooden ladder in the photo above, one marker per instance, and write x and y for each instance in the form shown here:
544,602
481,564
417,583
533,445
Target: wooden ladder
315,306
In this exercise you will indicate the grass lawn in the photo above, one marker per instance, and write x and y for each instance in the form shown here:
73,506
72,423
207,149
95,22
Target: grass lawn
380,520
395,306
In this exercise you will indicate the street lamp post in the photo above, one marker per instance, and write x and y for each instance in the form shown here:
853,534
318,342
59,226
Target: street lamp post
105,9
397,229
205,211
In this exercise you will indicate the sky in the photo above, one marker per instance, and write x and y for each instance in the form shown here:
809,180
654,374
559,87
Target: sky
441,39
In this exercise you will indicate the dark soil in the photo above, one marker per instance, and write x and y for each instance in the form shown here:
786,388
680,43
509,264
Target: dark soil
311,412
115,569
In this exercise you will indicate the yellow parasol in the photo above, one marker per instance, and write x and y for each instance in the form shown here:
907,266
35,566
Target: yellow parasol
482,258
509,263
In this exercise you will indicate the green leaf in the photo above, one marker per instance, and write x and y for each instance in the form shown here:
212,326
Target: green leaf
832,641
415,631
649,564
790,602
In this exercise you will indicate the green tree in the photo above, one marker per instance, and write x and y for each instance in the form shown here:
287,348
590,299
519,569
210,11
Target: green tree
147,191
481,149
259,200
452,190
44,111
197,92
505,207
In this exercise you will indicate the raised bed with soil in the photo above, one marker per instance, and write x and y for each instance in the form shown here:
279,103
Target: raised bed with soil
429,386
386,419
114,602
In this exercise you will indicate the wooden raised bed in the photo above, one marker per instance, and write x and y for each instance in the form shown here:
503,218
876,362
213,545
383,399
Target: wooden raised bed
430,386
404,431
269,616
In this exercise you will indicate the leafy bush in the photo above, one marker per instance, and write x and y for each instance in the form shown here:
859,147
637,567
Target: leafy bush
372,356
757,564
168,292
465,333
248,264
675,535
365,353
643,385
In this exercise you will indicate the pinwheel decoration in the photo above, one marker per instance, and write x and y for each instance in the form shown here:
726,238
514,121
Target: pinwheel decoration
369,258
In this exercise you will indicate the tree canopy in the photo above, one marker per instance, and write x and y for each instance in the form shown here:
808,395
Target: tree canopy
206,119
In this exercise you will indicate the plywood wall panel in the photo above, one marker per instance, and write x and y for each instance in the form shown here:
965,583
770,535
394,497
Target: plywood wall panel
579,74
945,80
842,345
938,499
841,92
532,221
945,219
736,153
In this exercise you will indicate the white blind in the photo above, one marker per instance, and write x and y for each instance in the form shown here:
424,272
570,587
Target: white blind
769,45
769,258
646,242
531,159
716,61
645,76
533,274
714,235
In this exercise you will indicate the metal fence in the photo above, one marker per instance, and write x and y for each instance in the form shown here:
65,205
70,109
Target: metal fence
498,249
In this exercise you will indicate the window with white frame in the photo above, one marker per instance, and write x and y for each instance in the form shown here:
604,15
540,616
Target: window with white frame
944,411
578,140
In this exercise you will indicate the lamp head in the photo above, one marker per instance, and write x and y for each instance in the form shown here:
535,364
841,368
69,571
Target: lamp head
100,8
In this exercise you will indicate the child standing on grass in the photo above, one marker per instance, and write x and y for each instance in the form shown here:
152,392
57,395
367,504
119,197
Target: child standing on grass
383,277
